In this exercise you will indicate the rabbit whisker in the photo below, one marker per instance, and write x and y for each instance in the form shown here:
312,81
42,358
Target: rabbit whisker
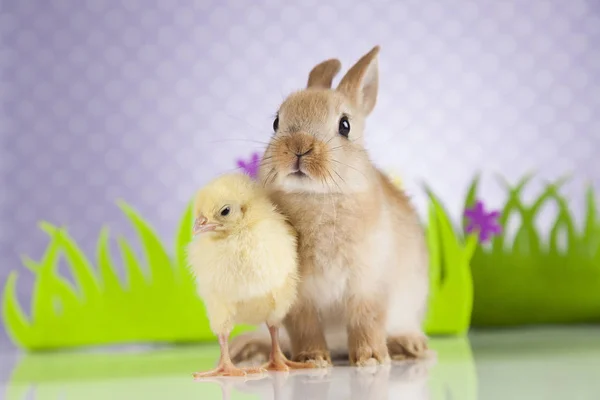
275,174
238,140
267,163
267,160
349,166
243,121
342,179
333,206
336,183
267,178
353,149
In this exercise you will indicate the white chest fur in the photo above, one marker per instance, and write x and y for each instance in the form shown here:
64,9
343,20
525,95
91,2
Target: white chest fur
331,231
328,286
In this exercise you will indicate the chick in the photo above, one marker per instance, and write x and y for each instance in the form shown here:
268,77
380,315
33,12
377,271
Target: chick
244,258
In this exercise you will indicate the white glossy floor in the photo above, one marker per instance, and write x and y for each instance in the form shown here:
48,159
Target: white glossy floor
547,364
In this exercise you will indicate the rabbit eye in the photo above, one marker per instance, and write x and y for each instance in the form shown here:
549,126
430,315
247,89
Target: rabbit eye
344,127
276,124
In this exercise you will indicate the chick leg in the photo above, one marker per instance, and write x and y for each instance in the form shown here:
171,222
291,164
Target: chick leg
277,360
225,367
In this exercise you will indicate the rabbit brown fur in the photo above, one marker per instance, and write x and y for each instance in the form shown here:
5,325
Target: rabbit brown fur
362,252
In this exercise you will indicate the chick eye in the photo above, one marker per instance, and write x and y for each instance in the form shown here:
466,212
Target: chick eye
276,124
225,211
344,127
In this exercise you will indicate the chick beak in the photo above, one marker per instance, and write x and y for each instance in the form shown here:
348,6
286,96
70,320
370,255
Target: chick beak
201,225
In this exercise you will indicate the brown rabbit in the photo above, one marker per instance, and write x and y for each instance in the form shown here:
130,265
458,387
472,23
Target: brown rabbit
363,257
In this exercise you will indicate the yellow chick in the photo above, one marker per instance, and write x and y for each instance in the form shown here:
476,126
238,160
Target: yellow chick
244,258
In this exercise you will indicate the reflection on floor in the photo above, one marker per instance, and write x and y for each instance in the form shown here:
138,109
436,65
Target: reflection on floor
534,364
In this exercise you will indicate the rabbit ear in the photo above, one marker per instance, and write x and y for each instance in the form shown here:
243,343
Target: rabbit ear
322,75
361,82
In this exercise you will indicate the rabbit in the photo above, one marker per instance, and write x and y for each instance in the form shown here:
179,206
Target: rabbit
362,250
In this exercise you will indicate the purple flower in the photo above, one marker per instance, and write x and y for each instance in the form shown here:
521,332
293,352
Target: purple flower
250,167
484,222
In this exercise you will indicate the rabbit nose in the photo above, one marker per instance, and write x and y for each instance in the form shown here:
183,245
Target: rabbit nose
299,144
300,154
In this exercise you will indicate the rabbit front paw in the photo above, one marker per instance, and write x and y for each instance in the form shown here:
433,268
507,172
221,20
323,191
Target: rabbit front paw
320,358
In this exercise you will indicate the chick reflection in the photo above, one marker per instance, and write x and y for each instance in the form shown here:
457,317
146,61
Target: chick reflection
407,381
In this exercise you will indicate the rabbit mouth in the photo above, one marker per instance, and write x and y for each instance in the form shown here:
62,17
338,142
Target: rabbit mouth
299,174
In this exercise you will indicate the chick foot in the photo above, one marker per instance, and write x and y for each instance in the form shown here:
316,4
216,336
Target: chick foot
282,364
225,366
228,370
277,360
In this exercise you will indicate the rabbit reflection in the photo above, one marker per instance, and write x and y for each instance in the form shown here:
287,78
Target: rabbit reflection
407,381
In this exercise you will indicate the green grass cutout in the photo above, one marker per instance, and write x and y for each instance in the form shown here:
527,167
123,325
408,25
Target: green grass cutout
154,304
158,302
451,288
530,280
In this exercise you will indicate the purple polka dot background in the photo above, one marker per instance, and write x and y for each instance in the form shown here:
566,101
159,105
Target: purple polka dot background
146,100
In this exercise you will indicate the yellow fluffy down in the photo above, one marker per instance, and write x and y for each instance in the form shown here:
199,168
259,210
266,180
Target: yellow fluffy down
247,274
